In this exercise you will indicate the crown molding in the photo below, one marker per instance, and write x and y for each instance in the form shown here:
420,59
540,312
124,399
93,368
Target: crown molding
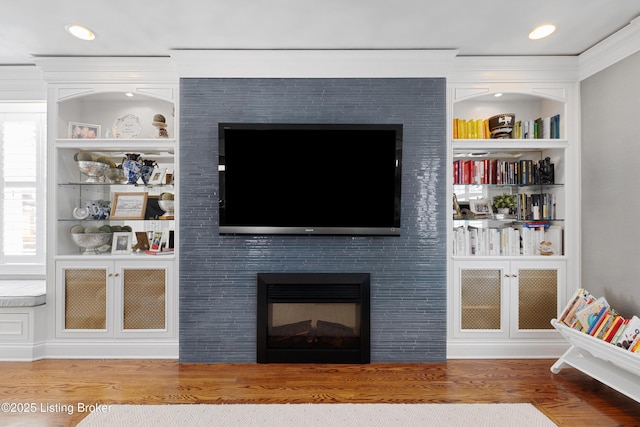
100,69
514,69
22,83
313,63
611,50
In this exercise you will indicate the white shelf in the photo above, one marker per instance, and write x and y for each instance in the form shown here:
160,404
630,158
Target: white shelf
607,363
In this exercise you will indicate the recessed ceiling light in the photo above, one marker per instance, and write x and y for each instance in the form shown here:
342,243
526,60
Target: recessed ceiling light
129,94
497,95
542,31
80,32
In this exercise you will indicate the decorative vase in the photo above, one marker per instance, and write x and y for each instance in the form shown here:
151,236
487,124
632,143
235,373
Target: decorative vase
132,166
147,170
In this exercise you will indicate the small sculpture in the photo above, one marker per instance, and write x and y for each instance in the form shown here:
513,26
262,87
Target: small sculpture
160,122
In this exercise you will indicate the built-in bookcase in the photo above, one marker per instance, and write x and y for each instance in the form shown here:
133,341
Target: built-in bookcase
503,264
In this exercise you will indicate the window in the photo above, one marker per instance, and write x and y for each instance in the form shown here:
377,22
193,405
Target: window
22,178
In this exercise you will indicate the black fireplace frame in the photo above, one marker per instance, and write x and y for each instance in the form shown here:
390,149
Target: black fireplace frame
313,288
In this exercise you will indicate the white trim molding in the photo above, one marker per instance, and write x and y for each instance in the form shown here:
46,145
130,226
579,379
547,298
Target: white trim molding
313,63
22,83
611,50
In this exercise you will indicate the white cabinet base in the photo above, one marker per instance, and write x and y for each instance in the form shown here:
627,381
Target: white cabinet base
515,349
96,349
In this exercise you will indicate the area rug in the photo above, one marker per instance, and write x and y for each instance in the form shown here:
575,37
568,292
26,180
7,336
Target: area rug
320,415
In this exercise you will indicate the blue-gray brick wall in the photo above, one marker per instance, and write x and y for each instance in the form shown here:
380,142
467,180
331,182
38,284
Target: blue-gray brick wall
408,273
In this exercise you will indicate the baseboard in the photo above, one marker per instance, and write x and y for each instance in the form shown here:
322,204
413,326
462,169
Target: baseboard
28,352
88,349
21,352
522,349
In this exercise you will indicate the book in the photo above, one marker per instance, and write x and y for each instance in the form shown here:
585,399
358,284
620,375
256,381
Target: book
587,314
603,324
597,321
582,301
580,292
613,328
630,333
165,252
620,331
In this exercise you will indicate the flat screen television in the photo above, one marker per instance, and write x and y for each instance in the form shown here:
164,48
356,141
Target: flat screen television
305,179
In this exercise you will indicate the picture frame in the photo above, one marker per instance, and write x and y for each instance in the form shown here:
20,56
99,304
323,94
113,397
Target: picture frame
129,205
142,241
480,207
156,241
157,176
121,243
79,130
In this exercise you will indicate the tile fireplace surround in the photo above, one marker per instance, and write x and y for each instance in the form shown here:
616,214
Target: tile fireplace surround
408,272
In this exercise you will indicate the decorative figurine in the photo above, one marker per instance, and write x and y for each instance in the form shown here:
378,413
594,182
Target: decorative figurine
160,122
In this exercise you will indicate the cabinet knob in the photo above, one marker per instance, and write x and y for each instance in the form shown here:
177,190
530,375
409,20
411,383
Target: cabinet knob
117,275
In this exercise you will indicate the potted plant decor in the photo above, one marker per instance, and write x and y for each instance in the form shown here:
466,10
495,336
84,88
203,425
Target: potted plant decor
504,203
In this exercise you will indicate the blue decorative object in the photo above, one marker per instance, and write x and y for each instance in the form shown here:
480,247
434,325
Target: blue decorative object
132,166
147,170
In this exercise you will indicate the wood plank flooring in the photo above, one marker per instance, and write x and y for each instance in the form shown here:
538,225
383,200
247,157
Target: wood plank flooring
56,389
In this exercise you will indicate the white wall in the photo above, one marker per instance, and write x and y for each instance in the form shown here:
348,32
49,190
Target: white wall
610,103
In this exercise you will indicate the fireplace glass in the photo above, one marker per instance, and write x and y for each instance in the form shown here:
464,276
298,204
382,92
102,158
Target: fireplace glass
314,325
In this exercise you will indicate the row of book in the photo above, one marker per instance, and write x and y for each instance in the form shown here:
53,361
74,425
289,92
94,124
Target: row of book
501,172
540,128
523,239
535,207
595,317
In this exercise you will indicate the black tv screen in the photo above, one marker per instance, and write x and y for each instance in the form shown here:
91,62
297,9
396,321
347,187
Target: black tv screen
326,179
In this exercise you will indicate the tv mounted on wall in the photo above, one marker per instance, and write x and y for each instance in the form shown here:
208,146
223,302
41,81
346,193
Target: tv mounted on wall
324,179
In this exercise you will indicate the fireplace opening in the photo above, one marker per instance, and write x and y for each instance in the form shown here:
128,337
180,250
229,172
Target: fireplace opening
313,318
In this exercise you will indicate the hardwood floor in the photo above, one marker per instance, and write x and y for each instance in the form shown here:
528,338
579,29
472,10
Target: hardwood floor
57,389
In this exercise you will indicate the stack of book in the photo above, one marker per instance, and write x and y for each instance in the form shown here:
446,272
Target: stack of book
595,317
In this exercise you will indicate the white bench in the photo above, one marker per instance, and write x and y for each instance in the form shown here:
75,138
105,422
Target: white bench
22,318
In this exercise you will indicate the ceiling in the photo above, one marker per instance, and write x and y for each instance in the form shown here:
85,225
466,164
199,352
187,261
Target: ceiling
32,28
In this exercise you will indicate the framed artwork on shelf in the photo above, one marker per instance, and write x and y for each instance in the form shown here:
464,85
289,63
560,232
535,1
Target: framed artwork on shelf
121,243
129,205
79,130
480,207
156,241
157,176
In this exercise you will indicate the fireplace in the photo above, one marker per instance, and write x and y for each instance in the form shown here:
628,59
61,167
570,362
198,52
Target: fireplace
313,318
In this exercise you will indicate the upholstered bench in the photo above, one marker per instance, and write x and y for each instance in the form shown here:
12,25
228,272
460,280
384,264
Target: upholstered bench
22,293
22,318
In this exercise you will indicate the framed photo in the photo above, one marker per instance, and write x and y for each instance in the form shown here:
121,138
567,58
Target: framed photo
156,241
129,205
79,130
480,207
121,243
157,176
